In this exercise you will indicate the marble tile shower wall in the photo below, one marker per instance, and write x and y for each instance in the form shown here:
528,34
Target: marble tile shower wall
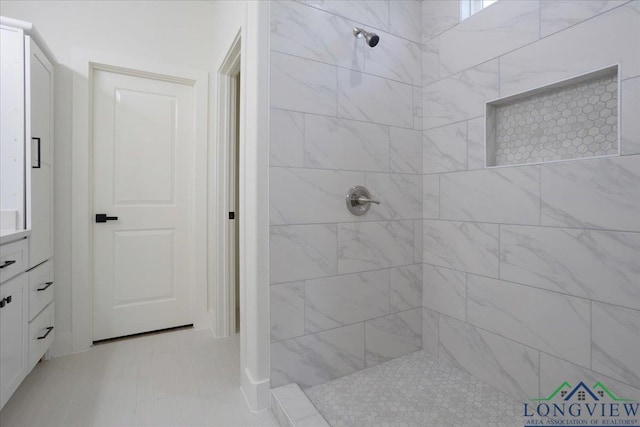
531,274
346,291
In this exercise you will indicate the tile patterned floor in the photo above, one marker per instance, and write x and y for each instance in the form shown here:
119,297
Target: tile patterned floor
413,390
181,378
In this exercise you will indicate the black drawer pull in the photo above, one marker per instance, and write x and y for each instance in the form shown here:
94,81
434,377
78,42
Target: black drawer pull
7,263
47,284
5,301
49,329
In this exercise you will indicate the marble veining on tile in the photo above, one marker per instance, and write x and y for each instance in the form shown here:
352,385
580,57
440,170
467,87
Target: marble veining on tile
318,358
303,85
372,245
445,291
430,335
461,96
476,141
607,39
346,299
445,149
514,311
310,33
466,246
511,367
405,288
431,196
392,336
405,18
630,126
301,252
286,138
332,143
372,12
502,28
395,58
497,196
595,193
374,99
598,265
304,196
287,310
553,368
556,15
400,196
616,343
413,390
406,150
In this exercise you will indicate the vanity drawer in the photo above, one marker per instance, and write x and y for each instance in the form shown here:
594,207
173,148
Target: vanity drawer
40,288
13,259
41,334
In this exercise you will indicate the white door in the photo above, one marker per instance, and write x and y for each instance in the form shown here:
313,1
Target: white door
143,155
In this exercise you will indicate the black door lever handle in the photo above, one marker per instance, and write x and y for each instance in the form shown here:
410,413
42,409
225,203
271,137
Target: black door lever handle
105,218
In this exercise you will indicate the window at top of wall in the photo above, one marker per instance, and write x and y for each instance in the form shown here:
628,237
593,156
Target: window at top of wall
469,7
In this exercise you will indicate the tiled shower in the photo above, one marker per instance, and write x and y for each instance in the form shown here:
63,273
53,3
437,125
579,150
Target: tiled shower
519,272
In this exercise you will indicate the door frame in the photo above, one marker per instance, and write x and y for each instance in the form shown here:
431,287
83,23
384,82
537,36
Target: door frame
225,299
251,37
85,62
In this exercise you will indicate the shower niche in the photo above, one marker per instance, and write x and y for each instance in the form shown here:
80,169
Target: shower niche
572,119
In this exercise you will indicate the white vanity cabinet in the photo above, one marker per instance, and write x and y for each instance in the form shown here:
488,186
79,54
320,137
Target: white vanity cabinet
13,335
27,311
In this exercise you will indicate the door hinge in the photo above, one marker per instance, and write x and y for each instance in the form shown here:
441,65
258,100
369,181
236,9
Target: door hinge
232,215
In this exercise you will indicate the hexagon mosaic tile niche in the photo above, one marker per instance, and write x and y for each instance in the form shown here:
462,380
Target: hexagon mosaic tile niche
573,119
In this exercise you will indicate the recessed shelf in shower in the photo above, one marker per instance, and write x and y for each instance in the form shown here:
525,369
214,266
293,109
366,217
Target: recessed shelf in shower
571,119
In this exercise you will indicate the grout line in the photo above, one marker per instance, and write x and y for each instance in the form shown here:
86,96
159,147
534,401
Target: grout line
533,287
342,67
370,26
499,250
539,374
591,335
466,297
540,193
348,119
351,324
604,230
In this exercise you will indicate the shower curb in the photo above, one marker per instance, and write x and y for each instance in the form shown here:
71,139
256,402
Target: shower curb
292,408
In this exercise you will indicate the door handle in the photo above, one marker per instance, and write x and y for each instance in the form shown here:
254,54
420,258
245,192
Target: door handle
5,301
45,287
7,263
49,329
105,218
38,164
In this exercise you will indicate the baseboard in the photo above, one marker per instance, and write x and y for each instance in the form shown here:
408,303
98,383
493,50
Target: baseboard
256,393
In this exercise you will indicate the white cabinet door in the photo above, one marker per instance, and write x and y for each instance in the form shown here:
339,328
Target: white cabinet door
13,336
12,115
40,193
143,148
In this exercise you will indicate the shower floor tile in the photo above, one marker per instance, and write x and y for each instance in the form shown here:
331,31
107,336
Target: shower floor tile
414,390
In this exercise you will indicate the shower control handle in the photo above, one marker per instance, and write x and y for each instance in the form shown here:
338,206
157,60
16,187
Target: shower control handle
359,200
363,200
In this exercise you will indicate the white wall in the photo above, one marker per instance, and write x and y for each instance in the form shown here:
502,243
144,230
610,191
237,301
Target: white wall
172,32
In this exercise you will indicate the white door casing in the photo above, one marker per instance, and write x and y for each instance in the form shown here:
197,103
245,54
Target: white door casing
143,148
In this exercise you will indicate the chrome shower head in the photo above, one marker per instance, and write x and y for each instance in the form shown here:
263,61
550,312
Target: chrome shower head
372,39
